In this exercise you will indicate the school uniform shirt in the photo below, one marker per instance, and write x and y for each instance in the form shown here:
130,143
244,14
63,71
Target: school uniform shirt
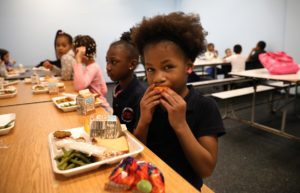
238,62
254,60
203,118
90,77
126,102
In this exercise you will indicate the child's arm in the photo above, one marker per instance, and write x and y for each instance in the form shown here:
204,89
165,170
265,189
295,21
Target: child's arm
82,77
67,62
56,70
147,106
201,152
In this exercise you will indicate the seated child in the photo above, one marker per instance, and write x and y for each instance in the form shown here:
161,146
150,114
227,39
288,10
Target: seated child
122,59
5,57
87,73
176,122
228,53
64,51
238,61
3,70
211,54
253,60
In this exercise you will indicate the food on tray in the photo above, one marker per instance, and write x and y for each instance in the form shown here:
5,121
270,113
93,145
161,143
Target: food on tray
39,87
72,159
64,100
8,90
68,105
81,146
118,144
62,134
131,174
106,127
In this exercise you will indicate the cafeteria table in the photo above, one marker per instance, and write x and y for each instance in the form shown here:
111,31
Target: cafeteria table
292,80
25,164
26,96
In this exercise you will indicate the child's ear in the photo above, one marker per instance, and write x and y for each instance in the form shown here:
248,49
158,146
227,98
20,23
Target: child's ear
133,64
189,67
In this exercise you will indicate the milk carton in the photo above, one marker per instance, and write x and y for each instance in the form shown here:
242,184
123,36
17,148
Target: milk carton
85,102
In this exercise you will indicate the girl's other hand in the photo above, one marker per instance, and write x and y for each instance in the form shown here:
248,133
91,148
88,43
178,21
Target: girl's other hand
176,107
148,103
47,65
80,53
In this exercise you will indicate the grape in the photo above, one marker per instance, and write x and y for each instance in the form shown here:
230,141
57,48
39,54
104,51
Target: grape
144,186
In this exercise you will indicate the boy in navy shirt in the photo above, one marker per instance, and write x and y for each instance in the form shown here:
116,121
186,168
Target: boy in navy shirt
177,123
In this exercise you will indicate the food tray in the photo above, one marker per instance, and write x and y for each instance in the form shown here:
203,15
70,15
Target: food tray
63,106
11,82
135,147
9,95
45,90
4,119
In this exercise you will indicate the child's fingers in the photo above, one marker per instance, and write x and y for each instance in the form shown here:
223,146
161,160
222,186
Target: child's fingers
171,97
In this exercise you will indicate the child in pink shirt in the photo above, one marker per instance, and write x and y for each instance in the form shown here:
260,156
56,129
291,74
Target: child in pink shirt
87,73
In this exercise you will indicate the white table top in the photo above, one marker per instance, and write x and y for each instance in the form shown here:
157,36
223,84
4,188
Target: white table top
213,62
262,73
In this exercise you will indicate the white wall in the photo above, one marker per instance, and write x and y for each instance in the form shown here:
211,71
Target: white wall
292,29
229,22
27,27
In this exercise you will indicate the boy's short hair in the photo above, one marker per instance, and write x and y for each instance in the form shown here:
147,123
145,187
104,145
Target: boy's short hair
210,44
261,45
185,30
237,48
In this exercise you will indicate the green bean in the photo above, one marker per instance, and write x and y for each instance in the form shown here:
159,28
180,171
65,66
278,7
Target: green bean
78,162
65,159
58,157
82,157
63,166
72,165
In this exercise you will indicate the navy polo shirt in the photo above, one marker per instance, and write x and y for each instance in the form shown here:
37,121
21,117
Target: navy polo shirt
203,118
126,102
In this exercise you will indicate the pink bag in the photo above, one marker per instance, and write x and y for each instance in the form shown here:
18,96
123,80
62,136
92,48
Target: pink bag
278,63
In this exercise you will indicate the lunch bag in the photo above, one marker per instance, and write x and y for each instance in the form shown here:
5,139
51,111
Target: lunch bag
278,63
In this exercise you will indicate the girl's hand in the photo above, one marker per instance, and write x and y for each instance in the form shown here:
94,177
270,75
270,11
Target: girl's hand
176,107
47,65
148,103
80,53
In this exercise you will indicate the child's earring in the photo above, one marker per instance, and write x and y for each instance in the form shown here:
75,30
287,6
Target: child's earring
130,68
189,70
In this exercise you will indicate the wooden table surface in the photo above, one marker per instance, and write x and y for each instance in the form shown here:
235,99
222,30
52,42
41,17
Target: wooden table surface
25,164
26,96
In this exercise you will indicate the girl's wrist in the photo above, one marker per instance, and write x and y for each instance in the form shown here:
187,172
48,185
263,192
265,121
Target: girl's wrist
179,128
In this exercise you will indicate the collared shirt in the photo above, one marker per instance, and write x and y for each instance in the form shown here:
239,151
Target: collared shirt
203,118
126,102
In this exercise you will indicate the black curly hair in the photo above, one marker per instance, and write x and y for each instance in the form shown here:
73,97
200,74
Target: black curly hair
185,30
130,47
87,42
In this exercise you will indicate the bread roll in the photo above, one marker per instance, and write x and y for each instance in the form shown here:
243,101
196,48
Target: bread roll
118,144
